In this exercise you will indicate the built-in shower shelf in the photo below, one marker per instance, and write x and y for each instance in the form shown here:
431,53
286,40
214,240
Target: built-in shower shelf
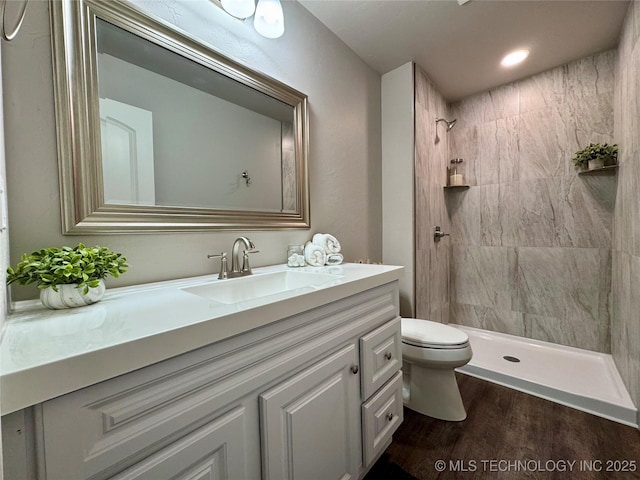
608,170
456,187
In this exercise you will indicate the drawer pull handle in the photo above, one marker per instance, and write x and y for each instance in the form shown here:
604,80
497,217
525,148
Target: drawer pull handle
354,369
388,356
389,416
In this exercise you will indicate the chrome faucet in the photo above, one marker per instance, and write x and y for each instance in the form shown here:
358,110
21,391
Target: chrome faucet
236,271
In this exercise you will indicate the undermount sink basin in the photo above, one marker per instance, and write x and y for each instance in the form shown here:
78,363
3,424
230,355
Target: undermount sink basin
261,285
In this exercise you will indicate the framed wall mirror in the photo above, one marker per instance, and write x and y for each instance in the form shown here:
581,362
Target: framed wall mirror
158,132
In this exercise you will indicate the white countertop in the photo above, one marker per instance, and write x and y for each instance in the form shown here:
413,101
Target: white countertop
47,353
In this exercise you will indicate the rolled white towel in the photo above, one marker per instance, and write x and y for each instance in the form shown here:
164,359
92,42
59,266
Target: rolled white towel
328,242
314,255
334,259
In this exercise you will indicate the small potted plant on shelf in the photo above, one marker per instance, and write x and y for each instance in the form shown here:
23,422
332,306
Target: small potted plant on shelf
68,277
596,155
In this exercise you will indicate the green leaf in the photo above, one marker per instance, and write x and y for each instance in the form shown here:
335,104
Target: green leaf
81,265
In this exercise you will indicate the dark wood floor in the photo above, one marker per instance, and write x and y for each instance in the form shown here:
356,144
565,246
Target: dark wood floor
504,425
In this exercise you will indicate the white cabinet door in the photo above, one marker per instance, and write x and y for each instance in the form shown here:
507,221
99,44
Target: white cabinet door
311,427
215,451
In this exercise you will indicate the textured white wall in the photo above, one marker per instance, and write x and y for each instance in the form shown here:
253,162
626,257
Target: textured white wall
398,179
344,153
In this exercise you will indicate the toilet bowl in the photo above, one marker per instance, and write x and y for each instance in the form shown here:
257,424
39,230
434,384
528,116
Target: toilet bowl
430,353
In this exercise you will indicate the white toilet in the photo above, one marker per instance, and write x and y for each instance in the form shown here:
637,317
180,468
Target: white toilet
430,353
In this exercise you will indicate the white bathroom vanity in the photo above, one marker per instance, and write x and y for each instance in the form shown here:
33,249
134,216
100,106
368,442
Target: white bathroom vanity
300,381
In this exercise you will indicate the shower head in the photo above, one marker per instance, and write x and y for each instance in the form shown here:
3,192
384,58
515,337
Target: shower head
450,124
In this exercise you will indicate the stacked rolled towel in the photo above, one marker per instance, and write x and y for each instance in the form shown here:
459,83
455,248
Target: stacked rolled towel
328,242
314,255
334,259
331,247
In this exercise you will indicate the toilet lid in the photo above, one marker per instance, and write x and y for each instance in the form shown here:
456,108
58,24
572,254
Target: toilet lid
425,333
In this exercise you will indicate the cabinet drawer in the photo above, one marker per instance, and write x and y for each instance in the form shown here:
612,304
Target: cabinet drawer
380,356
381,416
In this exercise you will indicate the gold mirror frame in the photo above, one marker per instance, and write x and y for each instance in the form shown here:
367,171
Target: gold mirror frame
78,127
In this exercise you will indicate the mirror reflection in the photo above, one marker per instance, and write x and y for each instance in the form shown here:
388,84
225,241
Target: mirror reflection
175,133
158,132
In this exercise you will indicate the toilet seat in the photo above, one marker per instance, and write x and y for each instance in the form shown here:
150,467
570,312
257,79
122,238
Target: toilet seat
429,334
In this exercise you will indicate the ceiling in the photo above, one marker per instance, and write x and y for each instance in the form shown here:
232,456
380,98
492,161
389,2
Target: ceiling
460,46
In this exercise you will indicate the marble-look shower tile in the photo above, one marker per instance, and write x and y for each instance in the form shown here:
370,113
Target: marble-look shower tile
629,91
587,211
487,159
487,318
605,299
621,312
634,12
621,228
617,104
490,208
463,207
565,284
422,174
633,100
421,88
542,90
626,231
633,203
629,32
463,143
541,218
483,276
422,283
633,333
509,213
502,102
542,143
439,256
508,149
569,331
590,76
470,111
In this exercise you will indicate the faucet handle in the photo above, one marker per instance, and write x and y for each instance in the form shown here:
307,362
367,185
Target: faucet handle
246,268
223,265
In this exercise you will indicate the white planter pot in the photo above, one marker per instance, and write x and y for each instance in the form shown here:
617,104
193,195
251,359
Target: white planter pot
595,164
68,296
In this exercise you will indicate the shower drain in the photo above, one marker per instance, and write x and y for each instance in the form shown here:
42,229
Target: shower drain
509,358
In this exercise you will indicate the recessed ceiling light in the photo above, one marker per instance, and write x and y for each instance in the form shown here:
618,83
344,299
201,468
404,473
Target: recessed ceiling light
514,58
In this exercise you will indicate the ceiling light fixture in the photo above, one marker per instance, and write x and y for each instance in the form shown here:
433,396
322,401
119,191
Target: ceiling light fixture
268,20
514,58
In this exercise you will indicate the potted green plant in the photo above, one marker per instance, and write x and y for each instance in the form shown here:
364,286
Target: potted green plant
68,276
595,156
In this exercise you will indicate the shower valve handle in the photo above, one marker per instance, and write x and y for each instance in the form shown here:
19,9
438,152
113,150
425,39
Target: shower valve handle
438,234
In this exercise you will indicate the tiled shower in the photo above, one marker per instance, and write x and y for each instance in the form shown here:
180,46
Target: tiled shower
535,249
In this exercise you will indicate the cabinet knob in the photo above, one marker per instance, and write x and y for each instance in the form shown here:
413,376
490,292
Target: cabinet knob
389,416
388,356
355,369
